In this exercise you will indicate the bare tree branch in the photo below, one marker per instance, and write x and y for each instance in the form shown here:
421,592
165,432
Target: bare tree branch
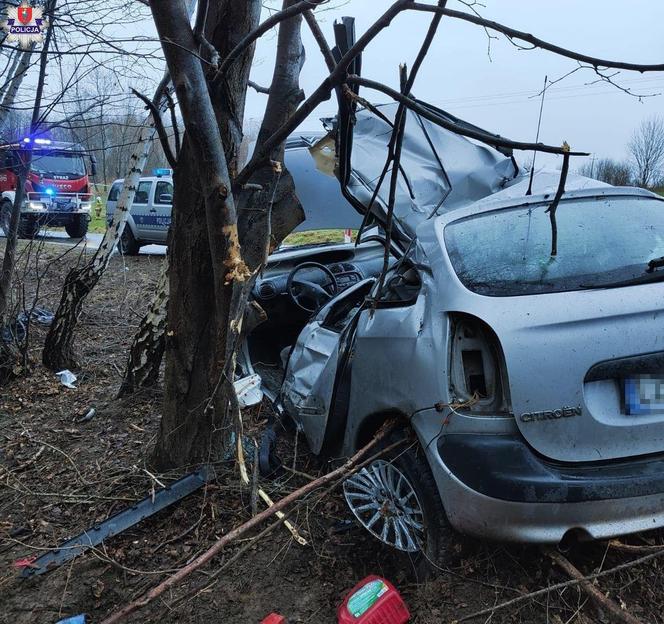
427,113
536,42
323,91
271,22
258,88
159,126
312,22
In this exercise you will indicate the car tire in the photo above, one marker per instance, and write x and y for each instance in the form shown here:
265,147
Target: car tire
78,227
410,462
27,228
128,245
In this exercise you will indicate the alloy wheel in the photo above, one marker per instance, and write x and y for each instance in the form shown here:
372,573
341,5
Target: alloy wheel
385,503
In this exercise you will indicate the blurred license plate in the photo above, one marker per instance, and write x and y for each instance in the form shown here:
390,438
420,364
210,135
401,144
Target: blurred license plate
644,394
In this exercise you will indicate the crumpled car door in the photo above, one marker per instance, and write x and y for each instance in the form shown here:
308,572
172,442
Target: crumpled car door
308,387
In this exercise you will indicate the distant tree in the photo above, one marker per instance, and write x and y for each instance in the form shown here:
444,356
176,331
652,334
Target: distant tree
617,173
647,149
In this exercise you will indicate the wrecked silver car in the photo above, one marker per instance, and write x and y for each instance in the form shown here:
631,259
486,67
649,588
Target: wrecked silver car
530,385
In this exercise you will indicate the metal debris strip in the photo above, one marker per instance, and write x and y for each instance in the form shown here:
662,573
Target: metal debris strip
118,523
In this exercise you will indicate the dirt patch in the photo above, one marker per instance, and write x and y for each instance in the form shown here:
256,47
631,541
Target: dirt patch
59,477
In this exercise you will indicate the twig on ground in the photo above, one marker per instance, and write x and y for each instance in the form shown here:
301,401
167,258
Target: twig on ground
634,549
30,461
603,602
232,535
270,528
254,482
178,537
556,586
154,478
282,516
71,461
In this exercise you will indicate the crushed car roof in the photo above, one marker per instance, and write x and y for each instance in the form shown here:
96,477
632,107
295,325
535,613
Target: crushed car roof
440,169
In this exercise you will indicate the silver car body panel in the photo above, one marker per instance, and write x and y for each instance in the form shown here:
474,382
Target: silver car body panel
309,382
311,372
552,340
401,352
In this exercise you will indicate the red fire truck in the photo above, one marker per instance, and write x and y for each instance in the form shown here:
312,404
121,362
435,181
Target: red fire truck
57,190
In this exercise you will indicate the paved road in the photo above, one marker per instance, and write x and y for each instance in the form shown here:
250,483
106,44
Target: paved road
59,237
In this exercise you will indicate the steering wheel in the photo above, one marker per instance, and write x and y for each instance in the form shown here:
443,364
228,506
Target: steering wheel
307,294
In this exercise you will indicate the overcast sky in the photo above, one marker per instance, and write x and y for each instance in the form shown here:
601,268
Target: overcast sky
496,92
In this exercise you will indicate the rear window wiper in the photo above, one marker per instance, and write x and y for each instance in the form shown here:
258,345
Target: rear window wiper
647,278
656,263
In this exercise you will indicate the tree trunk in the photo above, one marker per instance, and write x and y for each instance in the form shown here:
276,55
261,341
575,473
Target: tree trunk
58,351
9,259
147,348
281,206
205,264
269,215
14,82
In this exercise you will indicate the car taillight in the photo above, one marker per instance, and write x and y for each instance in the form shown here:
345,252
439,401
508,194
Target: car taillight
478,377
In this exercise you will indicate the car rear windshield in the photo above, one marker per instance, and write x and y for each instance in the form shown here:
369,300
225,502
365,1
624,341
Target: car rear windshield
601,241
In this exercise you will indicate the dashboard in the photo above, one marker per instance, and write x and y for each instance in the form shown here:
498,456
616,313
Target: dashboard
348,264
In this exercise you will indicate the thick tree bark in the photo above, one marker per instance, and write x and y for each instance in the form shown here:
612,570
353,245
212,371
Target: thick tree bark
9,258
269,215
147,349
204,255
58,350
13,82
281,205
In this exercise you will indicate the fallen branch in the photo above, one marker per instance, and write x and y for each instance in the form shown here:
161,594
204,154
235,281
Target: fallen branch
563,585
232,535
603,602
251,543
634,549
556,200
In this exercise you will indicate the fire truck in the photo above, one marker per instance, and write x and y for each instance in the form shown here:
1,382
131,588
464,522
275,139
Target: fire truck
57,189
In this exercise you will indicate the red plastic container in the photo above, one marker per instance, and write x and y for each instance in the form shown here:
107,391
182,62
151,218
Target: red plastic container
373,601
274,618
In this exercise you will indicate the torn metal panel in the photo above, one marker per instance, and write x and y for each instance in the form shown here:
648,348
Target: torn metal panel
117,523
248,390
440,170
309,382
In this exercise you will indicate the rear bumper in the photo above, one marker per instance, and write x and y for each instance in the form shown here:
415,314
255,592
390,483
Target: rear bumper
506,498
505,467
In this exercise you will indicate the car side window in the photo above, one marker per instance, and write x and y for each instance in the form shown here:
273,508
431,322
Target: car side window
114,193
143,192
163,193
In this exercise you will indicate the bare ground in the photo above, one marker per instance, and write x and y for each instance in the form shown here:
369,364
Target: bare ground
59,477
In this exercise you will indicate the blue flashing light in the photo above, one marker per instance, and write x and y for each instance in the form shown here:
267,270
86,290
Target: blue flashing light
27,140
162,172
50,191
43,141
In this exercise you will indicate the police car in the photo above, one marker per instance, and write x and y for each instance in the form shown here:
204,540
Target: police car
324,206
150,215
